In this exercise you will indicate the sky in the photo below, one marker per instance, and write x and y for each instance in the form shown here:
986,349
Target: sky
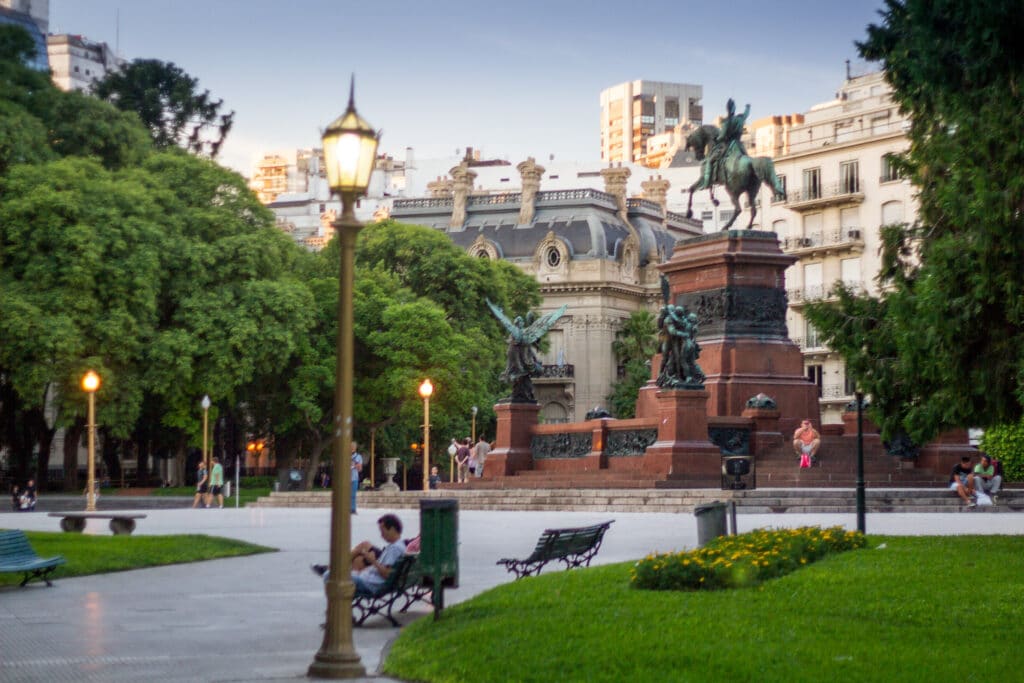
512,79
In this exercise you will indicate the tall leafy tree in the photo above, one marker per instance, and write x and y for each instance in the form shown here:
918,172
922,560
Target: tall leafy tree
950,320
170,105
636,342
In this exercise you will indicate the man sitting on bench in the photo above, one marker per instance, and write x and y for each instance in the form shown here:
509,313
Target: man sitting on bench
370,570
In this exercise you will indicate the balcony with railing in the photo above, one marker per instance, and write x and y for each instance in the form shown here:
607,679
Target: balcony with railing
820,195
798,296
552,374
819,243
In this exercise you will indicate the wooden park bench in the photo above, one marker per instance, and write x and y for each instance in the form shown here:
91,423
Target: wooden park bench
573,547
396,587
120,522
16,555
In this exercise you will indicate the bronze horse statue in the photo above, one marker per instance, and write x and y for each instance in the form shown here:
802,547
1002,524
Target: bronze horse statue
739,173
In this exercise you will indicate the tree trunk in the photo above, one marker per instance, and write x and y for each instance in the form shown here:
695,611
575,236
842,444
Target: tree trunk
72,438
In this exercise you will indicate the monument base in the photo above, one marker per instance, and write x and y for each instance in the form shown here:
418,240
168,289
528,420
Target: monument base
682,451
512,448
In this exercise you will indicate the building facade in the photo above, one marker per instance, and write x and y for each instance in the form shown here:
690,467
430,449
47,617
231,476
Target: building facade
595,250
33,18
78,62
835,162
633,112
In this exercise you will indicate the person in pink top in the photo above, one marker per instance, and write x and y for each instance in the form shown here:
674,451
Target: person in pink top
806,441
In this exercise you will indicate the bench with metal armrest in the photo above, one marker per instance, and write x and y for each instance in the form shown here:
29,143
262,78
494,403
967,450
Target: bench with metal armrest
574,547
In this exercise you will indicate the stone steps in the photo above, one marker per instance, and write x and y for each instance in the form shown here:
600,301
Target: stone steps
760,501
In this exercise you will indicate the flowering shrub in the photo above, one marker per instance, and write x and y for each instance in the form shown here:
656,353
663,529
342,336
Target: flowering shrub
744,560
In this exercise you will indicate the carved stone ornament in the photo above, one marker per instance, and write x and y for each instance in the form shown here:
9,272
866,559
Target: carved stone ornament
752,311
628,443
574,445
730,440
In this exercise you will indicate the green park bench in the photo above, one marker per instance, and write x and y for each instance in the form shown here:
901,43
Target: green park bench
16,555
398,586
573,547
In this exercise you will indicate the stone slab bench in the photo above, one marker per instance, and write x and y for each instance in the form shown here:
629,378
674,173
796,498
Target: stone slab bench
120,522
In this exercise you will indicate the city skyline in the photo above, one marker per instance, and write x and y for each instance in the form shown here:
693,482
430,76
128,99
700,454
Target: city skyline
453,74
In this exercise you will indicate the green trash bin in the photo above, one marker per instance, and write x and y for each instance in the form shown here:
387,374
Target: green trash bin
439,547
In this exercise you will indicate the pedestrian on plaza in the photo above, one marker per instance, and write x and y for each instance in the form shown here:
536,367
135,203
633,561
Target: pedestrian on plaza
15,497
481,450
357,468
435,477
462,456
201,485
467,446
216,484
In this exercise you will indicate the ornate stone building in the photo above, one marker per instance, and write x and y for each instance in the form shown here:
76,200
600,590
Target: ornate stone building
596,251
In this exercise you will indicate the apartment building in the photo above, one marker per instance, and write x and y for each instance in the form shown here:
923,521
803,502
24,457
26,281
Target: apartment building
835,163
633,112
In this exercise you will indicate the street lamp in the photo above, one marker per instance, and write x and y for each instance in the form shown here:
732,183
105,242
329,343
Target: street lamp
350,149
474,410
426,389
90,383
861,495
205,403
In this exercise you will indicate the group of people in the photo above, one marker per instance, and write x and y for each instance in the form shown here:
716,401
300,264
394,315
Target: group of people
469,459
209,484
976,485
23,499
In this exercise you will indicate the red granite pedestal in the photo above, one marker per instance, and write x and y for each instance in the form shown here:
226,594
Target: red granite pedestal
735,283
512,451
682,451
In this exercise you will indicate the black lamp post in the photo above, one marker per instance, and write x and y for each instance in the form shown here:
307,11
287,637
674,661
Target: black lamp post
861,502
350,149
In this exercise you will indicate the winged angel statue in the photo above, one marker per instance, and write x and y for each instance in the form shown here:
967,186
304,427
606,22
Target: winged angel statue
523,338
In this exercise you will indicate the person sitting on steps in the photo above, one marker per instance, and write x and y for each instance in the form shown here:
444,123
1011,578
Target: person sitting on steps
807,441
961,480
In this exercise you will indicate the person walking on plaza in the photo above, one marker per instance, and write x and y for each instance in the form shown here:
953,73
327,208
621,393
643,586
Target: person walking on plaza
806,441
216,484
462,458
985,478
357,468
481,450
201,485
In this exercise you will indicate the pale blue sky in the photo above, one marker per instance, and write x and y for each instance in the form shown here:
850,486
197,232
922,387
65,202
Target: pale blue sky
512,79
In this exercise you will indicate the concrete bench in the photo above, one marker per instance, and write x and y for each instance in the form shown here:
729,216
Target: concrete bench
120,522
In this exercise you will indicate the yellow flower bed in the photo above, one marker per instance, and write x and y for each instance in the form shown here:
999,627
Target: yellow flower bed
743,560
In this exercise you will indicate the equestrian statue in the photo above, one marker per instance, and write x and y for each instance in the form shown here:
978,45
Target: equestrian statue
726,163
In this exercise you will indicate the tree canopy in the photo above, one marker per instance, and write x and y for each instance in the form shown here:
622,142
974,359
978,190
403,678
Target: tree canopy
170,105
943,345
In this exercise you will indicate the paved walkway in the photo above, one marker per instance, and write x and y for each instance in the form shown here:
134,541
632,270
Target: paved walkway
257,618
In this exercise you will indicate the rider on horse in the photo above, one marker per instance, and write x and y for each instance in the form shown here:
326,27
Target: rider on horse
728,135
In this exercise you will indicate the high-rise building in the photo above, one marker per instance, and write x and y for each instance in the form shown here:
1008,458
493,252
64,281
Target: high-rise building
632,112
835,162
78,62
34,17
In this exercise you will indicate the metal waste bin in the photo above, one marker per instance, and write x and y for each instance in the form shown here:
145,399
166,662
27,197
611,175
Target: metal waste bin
439,546
710,521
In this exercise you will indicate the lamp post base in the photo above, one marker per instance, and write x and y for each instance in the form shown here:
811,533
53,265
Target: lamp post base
336,666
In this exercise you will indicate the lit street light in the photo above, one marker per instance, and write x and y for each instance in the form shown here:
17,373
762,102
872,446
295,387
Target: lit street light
474,410
426,389
205,403
350,149
90,383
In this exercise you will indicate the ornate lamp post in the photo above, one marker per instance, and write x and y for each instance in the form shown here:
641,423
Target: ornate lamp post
473,410
90,383
350,148
205,403
426,389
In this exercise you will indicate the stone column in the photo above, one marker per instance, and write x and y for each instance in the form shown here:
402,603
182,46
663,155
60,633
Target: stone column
615,178
531,174
656,190
462,184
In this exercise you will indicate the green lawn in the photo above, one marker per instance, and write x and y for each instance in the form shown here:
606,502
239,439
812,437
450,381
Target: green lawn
87,554
903,612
